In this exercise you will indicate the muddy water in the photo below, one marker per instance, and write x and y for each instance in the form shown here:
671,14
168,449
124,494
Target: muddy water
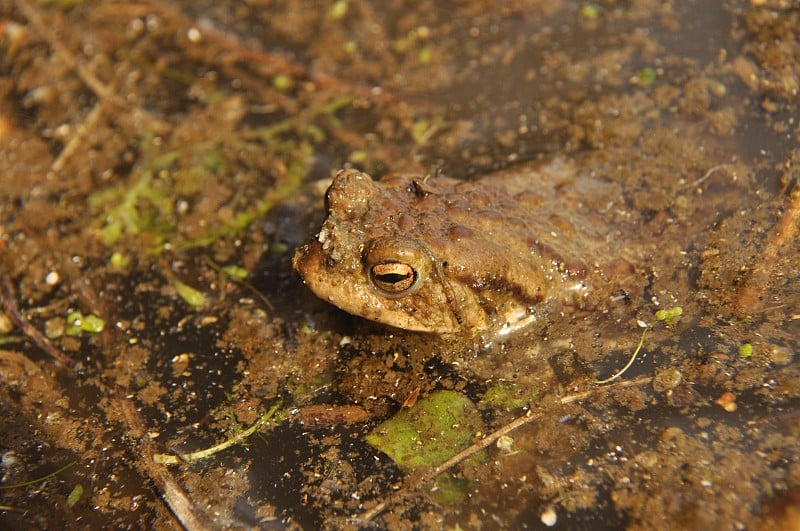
687,110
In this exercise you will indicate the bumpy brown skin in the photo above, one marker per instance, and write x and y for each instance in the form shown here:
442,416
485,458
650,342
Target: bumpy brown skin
447,256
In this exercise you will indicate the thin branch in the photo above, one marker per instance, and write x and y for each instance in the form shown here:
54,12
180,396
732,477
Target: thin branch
270,62
414,482
41,479
630,361
45,31
10,305
81,132
750,299
277,64
708,174
106,94
166,459
176,499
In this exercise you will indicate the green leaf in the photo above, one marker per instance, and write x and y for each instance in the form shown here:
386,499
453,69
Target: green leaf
438,427
669,315
450,489
425,55
92,324
745,350
590,11
119,260
508,395
283,82
75,495
338,10
646,75
78,323
190,296
73,324
235,271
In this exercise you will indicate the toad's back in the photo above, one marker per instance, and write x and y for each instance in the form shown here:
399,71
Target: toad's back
455,257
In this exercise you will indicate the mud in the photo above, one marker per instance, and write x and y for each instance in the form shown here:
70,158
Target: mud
148,146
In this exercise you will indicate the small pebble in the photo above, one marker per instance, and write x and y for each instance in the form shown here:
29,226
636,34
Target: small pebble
9,459
667,379
549,517
505,443
194,35
780,355
54,328
727,401
52,278
6,326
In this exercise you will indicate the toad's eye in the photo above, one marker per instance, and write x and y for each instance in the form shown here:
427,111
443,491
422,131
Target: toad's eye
396,266
393,278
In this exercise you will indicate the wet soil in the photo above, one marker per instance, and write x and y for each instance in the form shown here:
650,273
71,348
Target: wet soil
161,161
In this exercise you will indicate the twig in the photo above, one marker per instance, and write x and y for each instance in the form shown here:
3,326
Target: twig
184,510
106,94
749,300
77,139
270,62
100,89
414,482
277,64
708,174
41,479
630,361
10,306
166,459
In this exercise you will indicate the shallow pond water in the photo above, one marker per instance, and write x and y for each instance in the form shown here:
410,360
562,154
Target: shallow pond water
162,161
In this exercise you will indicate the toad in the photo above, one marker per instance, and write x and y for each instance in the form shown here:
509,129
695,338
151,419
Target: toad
453,257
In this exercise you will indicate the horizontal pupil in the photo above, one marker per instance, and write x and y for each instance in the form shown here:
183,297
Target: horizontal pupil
393,278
